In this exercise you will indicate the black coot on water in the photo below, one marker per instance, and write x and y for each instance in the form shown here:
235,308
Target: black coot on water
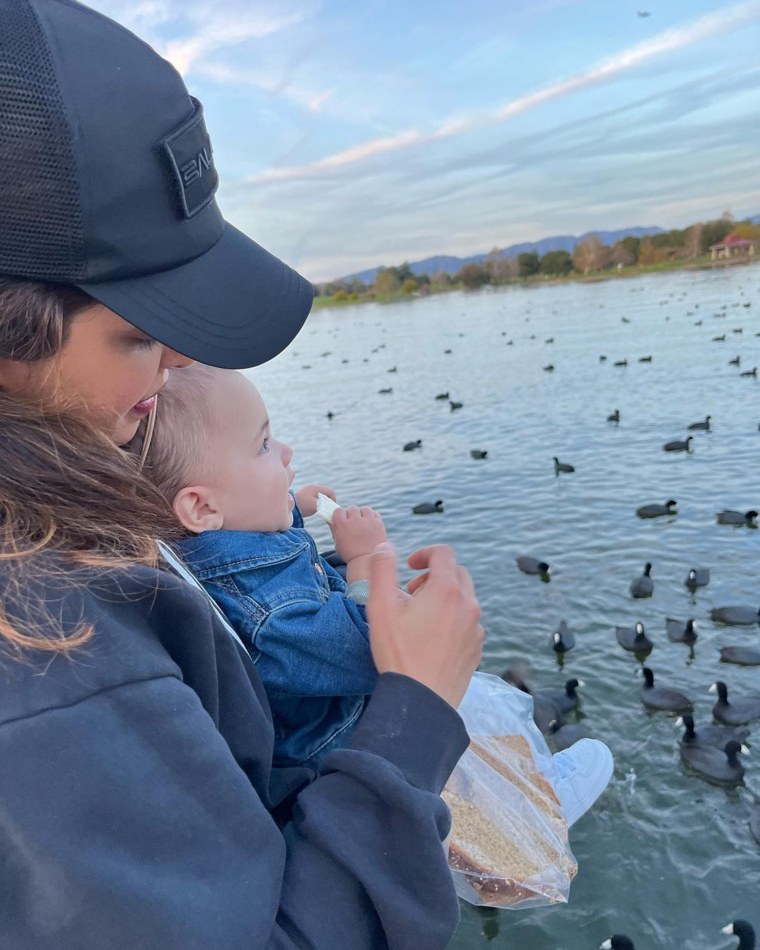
744,931
735,616
634,639
564,700
563,638
563,735
680,632
708,735
617,942
716,765
697,577
662,697
428,508
744,709
643,586
743,656
531,565
657,511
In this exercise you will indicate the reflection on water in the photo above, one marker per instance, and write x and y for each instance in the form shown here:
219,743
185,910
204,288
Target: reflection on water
664,857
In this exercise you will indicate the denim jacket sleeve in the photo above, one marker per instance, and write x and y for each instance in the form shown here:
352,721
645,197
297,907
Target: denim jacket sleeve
308,648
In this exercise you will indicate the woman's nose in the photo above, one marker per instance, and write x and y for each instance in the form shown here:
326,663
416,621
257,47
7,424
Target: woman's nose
171,359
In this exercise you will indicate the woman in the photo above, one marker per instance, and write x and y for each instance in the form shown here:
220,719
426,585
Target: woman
138,805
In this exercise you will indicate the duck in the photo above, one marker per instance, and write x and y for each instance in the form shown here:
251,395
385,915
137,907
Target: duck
634,639
678,445
562,467
743,656
745,709
719,339
643,586
455,405
697,577
729,516
564,734
386,390
614,416
545,713
411,446
620,363
428,508
736,361
717,765
442,396
657,511
735,616
703,426
750,372
531,565
645,359
478,453
549,368
662,698
743,930
565,700
679,632
563,638
716,736
619,941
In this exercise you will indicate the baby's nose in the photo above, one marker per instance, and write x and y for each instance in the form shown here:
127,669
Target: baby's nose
287,453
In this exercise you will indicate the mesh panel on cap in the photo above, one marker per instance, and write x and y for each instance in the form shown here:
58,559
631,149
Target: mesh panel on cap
40,220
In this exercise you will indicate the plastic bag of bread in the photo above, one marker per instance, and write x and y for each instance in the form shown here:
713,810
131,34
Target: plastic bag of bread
508,845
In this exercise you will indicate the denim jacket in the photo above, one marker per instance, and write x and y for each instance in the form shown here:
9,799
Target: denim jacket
309,641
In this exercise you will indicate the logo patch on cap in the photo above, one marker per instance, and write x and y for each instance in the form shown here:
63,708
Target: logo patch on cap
191,160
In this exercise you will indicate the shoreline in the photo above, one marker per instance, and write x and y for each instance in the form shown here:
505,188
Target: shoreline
634,270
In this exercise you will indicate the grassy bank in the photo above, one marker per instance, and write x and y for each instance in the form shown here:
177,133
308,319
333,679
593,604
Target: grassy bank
344,299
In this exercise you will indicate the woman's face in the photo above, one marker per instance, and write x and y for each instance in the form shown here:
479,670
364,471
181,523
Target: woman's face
107,367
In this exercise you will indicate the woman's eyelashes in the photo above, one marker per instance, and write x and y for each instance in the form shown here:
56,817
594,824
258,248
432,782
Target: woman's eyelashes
142,342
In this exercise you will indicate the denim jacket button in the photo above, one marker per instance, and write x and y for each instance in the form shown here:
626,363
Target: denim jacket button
318,568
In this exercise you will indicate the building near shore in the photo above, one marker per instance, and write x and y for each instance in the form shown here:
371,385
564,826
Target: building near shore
733,248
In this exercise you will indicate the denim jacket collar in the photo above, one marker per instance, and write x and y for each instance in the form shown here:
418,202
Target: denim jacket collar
215,553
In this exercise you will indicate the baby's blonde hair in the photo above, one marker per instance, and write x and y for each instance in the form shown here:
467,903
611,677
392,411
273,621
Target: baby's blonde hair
183,427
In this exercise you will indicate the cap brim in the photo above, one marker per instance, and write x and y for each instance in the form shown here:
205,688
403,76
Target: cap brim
235,306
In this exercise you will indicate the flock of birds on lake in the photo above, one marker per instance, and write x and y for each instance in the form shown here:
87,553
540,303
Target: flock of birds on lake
710,751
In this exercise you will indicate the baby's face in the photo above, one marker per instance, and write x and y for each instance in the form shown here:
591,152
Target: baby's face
249,472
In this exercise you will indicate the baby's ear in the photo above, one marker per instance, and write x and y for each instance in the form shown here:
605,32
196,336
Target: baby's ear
196,509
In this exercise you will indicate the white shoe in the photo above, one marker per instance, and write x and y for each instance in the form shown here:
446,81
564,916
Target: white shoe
583,772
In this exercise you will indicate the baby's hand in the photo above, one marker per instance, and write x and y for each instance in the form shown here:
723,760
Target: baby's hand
357,532
306,498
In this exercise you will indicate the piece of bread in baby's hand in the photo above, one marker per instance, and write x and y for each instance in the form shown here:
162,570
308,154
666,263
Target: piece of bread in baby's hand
509,837
326,507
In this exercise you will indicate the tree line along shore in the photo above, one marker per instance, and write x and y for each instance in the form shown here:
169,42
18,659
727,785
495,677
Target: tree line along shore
694,246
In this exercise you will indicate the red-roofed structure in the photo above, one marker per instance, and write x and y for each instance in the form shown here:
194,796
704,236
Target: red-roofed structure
732,248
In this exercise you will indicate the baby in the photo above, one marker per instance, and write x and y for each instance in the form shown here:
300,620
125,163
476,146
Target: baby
229,481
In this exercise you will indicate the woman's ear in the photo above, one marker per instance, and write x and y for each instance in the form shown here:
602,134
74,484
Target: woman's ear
196,508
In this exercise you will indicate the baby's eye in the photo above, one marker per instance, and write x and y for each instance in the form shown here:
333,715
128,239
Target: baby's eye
264,447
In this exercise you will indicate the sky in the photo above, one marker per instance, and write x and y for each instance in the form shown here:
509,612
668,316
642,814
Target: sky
355,133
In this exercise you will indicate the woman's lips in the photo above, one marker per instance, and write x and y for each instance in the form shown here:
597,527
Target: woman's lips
144,407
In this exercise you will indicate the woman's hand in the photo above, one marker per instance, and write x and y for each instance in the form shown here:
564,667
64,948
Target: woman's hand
435,635
306,498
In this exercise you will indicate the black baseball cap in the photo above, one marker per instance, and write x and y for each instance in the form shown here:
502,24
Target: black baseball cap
107,182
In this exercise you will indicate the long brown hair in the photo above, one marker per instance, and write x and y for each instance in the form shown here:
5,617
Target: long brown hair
65,488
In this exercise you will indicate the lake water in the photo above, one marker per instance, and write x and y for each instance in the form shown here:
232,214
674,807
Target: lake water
664,856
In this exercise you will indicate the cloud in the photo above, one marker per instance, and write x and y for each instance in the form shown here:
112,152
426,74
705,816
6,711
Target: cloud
220,33
669,41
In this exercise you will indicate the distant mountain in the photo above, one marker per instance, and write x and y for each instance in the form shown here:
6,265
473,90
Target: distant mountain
444,263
